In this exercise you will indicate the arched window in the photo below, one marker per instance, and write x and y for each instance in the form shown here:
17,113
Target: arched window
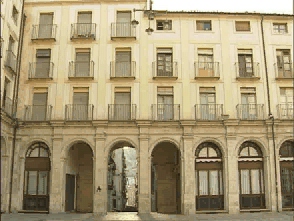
287,173
251,176
37,167
209,177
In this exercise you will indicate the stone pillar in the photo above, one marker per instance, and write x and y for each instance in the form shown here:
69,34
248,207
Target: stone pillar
188,176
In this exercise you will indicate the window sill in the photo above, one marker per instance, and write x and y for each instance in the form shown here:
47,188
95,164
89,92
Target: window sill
204,31
211,211
253,210
248,78
243,32
164,31
286,34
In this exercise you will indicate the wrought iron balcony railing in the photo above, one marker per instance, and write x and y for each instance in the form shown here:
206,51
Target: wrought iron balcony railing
122,69
250,111
284,71
83,31
41,70
208,111
285,111
41,32
79,112
10,60
122,112
165,112
206,69
165,69
122,30
247,70
7,105
38,112
81,69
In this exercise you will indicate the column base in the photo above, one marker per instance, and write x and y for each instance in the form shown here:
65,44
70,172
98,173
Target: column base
144,205
188,205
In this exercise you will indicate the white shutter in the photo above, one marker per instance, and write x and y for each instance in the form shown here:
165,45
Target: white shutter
203,182
213,181
245,182
255,186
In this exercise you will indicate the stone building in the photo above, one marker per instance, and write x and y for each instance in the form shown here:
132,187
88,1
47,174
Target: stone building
206,100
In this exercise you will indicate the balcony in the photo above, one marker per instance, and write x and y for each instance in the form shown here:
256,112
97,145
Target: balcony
165,112
284,71
79,112
41,70
250,111
44,32
122,112
10,61
123,30
7,106
38,113
208,111
247,71
83,31
161,70
122,69
206,70
81,69
285,111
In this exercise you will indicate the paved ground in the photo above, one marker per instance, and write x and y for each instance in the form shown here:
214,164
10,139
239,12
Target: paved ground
128,216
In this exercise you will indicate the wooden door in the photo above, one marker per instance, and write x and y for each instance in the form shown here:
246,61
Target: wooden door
70,192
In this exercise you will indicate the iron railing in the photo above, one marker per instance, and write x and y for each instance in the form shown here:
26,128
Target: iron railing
210,202
165,112
10,60
122,112
247,70
44,32
41,70
285,111
123,29
122,69
252,201
208,111
79,112
165,69
81,69
83,30
250,111
38,112
206,69
7,105
284,70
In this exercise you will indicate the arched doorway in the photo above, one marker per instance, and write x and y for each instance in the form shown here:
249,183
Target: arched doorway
251,178
79,179
36,178
166,179
287,174
122,191
209,177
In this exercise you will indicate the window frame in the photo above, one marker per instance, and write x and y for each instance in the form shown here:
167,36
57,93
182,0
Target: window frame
204,22
279,24
170,26
247,31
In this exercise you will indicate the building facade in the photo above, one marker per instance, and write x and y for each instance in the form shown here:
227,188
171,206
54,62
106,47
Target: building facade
206,101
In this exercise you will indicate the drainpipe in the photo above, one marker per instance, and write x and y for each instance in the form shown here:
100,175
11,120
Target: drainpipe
269,110
15,98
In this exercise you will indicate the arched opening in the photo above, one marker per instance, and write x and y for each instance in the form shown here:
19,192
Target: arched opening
79,179
166,179
251,178
287,174
36,180
122,178
209,177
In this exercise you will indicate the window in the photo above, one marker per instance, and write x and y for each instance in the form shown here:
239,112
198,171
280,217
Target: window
245,63
123,62
84,23
205,62
6,102
203,25
39,111
164,25
165,99
82,63
248,103
11,44
164,62
14,14
284,63
80,103
45,25
123,25
280,28
122,100
242,25
286,103
43,57
207,101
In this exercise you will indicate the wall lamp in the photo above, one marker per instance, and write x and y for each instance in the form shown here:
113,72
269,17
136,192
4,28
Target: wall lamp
99,189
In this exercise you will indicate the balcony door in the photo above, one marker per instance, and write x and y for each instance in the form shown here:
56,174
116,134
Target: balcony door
164,63
84,24
284,63
248,108
45,25
42,63
208,107
165,107
286,98
122,107
123,24
245,65
205,62
82,65
123,63
39,109
80,106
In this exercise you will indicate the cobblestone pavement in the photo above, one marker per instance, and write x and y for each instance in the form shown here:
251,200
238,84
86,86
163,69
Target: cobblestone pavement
128,216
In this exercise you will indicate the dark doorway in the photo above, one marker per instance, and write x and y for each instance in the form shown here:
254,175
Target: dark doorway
70,192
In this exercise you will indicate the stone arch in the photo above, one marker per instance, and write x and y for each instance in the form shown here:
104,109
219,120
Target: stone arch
164,139
217,142
257,141
32,142
278,147
65,148
109,147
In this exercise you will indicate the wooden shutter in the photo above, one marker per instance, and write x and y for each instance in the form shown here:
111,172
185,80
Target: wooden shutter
124,17
242,26
84,17
39,109
122,98
80,98
46,19
165,90
40,99
45,27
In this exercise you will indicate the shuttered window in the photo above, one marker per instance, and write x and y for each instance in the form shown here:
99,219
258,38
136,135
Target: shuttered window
203,25
242,25
82,64
81,98
123,17
164,62
164,25
286,95
84,17
39,110
245,62
123,63
283,59
43,62
45,25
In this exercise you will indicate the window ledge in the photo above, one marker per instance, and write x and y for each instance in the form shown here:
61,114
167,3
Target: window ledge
254,210
286,34
247,78
125,77
80,78
203,31
284,78
165,77
207,77
243,32
164,31
211,211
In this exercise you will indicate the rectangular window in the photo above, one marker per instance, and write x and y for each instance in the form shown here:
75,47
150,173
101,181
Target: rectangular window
163,24
284,63
248,101
45,25
82,63
6,93
164,62
205,62
203,25
280,28
122,107
14,14
207,101
242,25
80,103
123,23
123,62
165,103
286,95
84,23
39,104
43,57
245,63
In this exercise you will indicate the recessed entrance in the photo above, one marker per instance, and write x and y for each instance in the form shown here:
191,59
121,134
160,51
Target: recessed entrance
79,179
166,179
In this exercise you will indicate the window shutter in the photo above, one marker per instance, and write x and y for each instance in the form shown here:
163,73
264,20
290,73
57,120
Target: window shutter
124,17
123,56
81,98
40,99
43,53
122,98
46,19
84,17
83,56
165,90
242,26
164,50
